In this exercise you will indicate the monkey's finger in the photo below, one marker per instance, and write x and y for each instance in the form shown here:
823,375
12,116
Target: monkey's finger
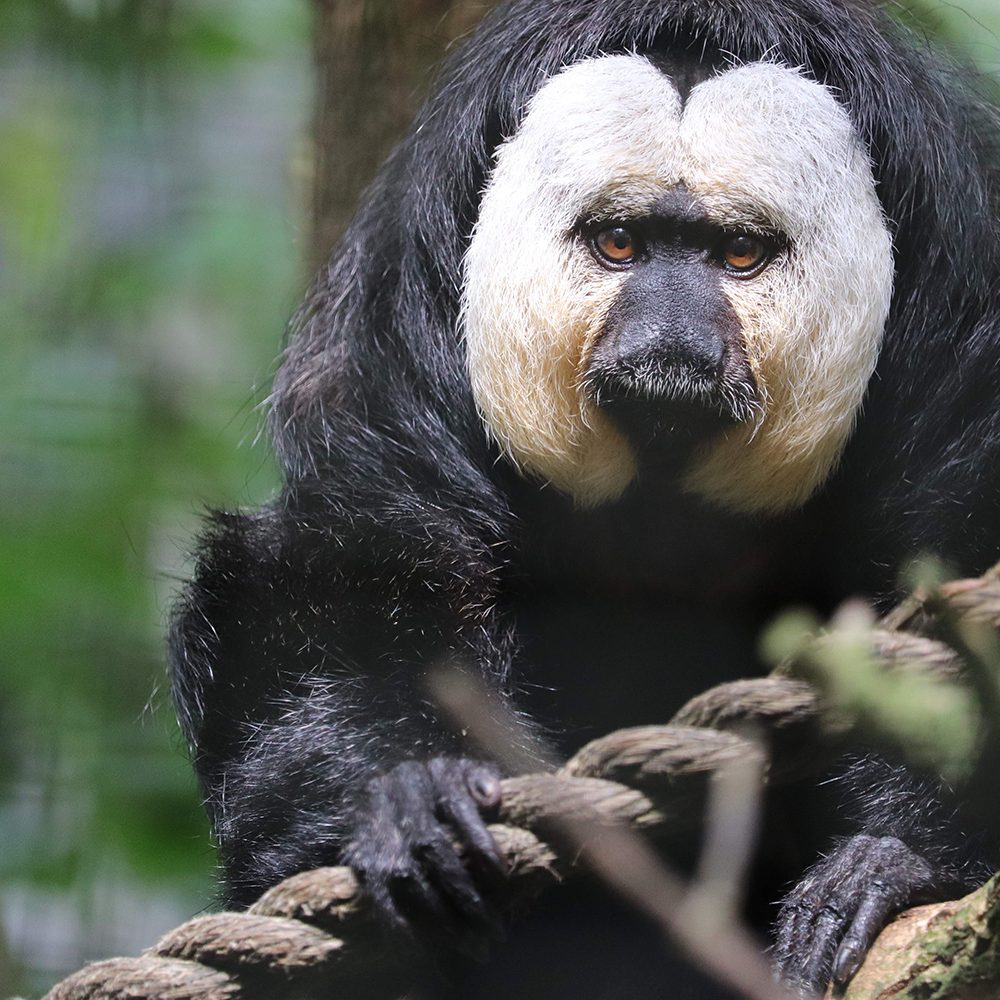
462,794
483,781
827,928
384,902
808,929
455,883
472,830
793,929
395,878
461,776
417,897
877,906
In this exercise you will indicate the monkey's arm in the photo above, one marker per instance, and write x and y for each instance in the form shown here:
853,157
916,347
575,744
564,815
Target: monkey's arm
299,656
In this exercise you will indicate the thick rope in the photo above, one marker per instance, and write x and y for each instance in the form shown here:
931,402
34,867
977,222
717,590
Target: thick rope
301,936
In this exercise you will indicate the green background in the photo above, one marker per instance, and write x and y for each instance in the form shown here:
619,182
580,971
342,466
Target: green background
154,160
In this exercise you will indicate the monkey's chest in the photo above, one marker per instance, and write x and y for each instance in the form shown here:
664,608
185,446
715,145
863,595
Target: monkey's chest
588,664
625,612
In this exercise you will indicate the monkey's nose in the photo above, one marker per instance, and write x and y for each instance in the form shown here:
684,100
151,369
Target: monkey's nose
651,346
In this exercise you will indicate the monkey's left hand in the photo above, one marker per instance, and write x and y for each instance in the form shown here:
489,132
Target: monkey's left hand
409,825
832,917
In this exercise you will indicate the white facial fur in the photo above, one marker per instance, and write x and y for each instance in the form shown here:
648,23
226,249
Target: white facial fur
756,145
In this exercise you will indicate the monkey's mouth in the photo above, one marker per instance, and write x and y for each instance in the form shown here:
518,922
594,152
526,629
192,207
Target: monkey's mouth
662,404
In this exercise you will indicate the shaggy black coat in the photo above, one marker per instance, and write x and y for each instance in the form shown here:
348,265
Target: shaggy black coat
399,539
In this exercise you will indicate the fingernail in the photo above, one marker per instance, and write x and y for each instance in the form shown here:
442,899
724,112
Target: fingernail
847,963
486,789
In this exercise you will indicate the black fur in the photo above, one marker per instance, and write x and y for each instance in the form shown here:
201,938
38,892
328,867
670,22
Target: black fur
399,540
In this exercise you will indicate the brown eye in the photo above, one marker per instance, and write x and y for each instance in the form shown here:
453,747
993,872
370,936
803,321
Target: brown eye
616,245
744,253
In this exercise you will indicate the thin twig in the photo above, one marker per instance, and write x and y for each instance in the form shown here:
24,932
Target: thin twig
716,941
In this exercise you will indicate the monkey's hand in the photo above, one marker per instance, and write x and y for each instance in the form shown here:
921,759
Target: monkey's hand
410,826
829,921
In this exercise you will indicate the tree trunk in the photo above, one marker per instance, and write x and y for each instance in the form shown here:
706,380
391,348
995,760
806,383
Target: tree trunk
374,62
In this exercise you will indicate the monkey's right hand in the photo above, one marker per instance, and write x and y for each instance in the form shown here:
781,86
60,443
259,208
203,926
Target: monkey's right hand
409,827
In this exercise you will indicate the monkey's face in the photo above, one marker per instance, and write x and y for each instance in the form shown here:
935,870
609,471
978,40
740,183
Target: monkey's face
706,277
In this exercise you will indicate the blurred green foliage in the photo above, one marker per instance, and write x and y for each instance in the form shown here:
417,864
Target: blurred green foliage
934,722
967,30
149,259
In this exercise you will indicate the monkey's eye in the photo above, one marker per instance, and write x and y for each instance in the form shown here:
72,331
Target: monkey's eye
745,254
616,245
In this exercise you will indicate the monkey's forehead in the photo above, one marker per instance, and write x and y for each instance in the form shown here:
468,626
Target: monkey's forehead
609,135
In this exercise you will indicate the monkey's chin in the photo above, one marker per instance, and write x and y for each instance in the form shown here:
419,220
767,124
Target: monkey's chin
666,433
668,418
